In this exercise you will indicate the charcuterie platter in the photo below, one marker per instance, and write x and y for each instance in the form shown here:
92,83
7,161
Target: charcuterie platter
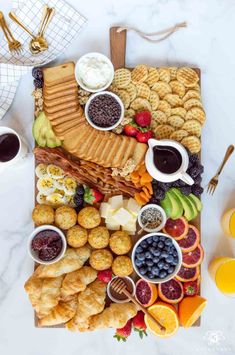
118,176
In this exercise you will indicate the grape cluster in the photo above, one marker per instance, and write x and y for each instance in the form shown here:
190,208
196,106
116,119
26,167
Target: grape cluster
78,198
195,170
38,77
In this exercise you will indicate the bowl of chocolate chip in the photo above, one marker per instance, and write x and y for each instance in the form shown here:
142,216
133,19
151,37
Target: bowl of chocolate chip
46,244
104,111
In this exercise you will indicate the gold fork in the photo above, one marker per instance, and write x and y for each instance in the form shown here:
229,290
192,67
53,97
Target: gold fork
13,44
119,286
214,181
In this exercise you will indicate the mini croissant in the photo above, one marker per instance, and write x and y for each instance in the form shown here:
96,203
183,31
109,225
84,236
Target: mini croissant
77,281
114,316
90,302
62,313
33,287
72,260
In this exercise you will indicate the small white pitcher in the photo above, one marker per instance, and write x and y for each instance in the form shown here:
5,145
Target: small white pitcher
158,175
23,149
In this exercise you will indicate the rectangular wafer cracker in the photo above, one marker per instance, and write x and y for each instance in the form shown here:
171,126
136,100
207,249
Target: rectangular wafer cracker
59,74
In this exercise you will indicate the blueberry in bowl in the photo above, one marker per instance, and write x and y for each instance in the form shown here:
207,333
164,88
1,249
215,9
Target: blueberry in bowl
156,257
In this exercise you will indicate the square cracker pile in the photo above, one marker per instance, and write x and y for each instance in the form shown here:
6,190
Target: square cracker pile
61,104
172,95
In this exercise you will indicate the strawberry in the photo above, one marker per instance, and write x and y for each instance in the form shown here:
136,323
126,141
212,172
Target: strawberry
143,118
191,288
105,275
139,324
124,332
143,137
130,130
92,196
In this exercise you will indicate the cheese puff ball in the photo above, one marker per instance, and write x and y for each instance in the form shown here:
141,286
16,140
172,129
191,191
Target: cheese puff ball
76,236
99,238
89,217
101,259
120,243
122,266
65,217
43,214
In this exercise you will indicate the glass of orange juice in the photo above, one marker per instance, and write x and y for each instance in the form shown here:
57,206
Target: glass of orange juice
228,222
222,271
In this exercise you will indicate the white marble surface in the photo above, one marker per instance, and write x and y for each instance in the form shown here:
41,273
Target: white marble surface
208,43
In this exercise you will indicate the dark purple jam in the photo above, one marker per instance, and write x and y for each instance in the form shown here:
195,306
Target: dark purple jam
9,146
104,110
47,244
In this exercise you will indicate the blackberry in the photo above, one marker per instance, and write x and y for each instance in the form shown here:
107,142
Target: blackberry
197,190
198,180
165,186
200,169
154,200
37,73
159,194
186,190
80,190
178,183
78,200
194,172
38,83
193,158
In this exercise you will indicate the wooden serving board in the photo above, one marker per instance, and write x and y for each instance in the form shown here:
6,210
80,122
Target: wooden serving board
118,57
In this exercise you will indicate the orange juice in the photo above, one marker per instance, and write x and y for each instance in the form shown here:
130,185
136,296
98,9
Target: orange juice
228,222
222,271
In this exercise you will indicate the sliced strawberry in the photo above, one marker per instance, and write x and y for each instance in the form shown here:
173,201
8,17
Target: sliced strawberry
143,137
130,130
143,118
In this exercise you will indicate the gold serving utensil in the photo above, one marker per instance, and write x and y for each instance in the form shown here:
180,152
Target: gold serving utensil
119,286
39,43
13,44
214,181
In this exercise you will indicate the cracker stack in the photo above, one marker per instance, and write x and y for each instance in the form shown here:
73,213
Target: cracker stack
61,104
103,147
172,95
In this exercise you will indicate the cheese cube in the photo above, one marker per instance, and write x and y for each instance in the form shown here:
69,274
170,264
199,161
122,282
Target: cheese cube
133,206
104,209
130,227
116,202
122,216
125,202
112,227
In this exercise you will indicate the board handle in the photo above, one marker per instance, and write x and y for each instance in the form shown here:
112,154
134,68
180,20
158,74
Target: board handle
117,47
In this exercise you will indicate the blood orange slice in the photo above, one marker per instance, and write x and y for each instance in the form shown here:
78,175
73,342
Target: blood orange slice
190,241
146,293
193,258
171,291
176,228
187,274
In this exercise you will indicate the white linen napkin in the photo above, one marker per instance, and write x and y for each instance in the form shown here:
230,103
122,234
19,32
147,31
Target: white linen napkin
64,26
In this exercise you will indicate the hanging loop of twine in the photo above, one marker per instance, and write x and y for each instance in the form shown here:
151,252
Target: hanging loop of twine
164,33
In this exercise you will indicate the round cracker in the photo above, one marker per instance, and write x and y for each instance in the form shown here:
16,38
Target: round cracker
173,99
154,100
196,113
175,121
125,97
177,88
190,94
159,116
163,131
180,111
153,76
130,113
193,127
139,74
192,103
173,72
143,90
164,74
140,104
178,135
162,88
192,143
187,76
122,78
165,107
131,89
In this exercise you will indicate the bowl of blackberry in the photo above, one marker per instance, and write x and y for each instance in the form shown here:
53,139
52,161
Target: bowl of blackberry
156,257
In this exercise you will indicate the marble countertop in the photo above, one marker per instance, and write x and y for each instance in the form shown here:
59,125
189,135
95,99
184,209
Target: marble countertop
207,43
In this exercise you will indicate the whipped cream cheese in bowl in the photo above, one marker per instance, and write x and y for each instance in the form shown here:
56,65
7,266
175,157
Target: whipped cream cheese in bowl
94,72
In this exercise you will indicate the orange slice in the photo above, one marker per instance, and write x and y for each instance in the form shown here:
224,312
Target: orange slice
190,309
166,315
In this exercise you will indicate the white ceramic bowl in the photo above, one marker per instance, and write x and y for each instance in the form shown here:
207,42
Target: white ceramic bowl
115,299
92,123
98,56
160,209
33,254
168,277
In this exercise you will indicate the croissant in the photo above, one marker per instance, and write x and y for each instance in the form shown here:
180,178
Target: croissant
62,313
90,302
33,287
114,316
50,295
72,260
77,281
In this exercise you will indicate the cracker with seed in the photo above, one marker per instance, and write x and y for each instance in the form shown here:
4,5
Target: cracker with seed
159,116
164,74
154,100
163,131
173,72
191,94
196,113
122,78
125,97
192,103
153,76
165,107
131,89
177,88
143,90
178,135
140,104
173,99
162,88
192,143
175,121
193,127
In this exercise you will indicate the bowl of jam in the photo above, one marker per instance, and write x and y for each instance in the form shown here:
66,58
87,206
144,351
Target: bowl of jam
46,244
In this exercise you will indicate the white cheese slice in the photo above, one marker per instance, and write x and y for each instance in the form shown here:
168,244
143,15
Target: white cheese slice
122,216
133,206
125,202
112,227
116,201
104,209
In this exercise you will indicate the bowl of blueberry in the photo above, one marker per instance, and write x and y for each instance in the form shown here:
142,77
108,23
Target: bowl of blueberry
156,257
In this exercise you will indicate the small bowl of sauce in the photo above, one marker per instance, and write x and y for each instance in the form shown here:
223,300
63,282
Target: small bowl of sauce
117,297
152,218
46,244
